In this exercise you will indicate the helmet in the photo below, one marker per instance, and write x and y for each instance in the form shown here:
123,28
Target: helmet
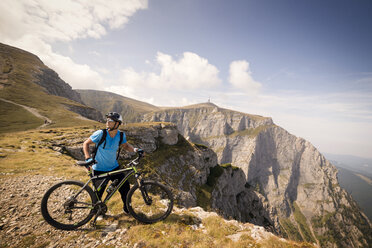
115,117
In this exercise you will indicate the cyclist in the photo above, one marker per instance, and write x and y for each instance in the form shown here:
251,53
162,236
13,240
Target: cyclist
106,153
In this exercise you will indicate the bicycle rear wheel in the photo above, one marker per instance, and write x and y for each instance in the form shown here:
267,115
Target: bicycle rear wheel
150,203
62,208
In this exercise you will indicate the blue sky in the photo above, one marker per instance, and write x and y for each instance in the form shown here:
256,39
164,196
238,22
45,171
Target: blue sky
306,64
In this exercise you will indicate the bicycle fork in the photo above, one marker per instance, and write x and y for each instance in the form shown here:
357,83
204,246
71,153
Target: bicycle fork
143,190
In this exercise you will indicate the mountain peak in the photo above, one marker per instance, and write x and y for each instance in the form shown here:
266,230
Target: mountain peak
202,105
194,106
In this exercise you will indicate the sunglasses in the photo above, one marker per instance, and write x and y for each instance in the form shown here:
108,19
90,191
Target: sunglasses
109,120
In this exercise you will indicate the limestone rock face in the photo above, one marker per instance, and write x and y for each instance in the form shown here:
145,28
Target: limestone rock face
87,112
280,180
169,136
219,129
237,200
54,85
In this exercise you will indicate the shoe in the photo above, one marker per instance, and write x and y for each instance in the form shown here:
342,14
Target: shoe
101,217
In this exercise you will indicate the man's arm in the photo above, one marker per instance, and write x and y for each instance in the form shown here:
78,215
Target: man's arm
86,147
128,147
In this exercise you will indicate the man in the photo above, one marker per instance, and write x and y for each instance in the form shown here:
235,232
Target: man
106,154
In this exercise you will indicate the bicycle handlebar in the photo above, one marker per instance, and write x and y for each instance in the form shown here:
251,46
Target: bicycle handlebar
88,164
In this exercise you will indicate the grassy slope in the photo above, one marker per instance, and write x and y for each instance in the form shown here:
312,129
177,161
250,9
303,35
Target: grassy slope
106,102
21,89
20,118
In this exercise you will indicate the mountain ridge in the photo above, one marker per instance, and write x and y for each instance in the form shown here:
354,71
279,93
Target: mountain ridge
25,80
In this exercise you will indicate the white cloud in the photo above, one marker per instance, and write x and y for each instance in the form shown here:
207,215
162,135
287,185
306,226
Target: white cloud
178,82
189,72
329,135
241,78
34,25
67,20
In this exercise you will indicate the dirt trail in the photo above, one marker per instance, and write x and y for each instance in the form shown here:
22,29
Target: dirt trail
33,111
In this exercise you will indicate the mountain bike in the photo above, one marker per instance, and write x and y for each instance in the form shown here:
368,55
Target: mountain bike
70,204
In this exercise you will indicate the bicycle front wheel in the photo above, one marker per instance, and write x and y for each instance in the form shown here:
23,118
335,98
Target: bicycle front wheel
67,205
149,203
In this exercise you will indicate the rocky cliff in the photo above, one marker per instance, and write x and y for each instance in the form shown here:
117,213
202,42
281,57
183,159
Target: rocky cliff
278,179
54,85
84,111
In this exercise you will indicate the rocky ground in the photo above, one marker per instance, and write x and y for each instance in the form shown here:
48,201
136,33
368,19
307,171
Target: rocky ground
22,225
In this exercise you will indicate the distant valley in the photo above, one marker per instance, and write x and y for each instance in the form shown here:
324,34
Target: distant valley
353,163
355,175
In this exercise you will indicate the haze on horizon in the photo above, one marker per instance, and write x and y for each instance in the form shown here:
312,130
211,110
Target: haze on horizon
306,64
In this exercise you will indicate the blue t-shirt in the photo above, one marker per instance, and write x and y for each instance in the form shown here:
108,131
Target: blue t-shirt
106,157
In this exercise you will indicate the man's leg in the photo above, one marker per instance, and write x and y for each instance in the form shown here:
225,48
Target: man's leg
98,182
123,190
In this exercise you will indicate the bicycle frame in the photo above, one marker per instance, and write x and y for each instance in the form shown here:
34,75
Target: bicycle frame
132,170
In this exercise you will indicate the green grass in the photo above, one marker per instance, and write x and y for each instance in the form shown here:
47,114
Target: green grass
14,118
229,165
30,152
251,132
320,221
176,232
302,223
290,229
201,146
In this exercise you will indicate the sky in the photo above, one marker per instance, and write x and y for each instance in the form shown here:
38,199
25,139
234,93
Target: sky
306,64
